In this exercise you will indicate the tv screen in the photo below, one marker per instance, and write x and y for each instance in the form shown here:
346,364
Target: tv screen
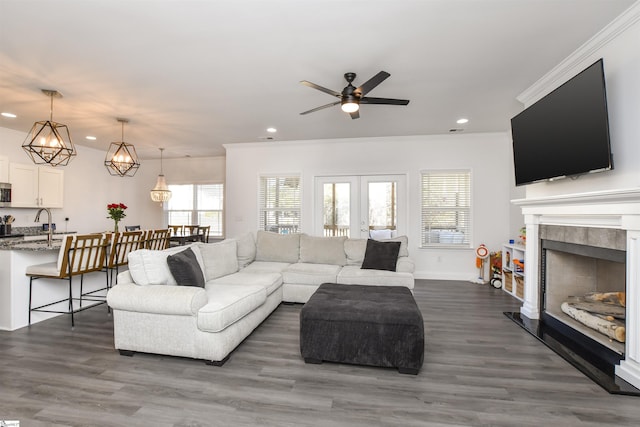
565,133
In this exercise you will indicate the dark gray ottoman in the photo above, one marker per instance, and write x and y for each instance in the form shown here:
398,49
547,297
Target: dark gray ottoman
365,325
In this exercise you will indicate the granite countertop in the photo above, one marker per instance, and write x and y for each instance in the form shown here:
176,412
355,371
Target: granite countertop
19,244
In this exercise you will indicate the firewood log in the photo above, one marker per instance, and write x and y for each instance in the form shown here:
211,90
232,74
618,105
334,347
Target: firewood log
605,309
612,329
614,298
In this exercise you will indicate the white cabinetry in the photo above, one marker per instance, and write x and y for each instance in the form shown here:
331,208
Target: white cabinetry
513,269
34,186
4,169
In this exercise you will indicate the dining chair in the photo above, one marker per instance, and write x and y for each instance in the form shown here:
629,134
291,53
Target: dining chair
131,227
157,239
176,229
191,229
121,245
78,255
203,232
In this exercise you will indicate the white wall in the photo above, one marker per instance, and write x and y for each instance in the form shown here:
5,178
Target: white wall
88,187
487,155
618,46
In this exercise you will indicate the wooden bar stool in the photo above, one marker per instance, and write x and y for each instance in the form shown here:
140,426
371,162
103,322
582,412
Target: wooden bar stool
79,255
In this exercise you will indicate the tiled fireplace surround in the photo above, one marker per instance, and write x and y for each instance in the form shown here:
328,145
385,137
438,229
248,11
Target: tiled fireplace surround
617,210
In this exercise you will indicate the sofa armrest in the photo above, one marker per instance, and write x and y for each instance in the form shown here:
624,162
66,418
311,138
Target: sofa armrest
157,299
405,265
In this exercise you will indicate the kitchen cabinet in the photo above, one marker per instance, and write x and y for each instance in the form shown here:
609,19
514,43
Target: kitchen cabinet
36,186
4,169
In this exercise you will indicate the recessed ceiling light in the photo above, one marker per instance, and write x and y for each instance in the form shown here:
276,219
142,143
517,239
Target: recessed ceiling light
272,130
9,115
91,138
462,121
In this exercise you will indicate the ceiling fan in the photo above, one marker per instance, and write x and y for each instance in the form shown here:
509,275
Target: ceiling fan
351,97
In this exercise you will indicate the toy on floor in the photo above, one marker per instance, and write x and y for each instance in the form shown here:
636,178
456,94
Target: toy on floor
482,253
495,265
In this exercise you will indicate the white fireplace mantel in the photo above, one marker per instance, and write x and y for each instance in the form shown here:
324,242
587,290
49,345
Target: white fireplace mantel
617,209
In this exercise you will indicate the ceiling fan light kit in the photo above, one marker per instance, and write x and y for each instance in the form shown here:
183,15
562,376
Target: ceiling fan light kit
351,97
49,142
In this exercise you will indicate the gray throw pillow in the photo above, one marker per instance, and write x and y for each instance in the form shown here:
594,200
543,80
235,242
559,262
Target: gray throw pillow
381,255
185,269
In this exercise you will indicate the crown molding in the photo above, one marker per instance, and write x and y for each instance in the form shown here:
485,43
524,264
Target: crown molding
573,64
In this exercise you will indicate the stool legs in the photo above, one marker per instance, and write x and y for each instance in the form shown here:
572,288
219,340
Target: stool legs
30,288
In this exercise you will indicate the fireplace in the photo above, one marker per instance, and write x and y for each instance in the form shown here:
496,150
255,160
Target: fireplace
572,272
592,241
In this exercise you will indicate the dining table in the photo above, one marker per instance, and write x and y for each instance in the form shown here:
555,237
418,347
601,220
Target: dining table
183,238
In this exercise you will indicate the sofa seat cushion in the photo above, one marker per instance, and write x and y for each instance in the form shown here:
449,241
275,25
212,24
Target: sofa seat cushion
266,267
228,304
269,281
354,275
310,274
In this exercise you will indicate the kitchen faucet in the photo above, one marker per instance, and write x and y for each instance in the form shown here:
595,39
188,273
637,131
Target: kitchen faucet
50,233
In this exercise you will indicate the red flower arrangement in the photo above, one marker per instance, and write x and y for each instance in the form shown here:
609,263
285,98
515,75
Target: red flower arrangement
116,213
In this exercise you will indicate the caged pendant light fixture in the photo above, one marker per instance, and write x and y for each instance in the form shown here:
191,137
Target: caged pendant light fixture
49,142
160,192
122,159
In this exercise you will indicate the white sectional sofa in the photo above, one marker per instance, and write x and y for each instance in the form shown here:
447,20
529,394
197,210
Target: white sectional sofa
244,280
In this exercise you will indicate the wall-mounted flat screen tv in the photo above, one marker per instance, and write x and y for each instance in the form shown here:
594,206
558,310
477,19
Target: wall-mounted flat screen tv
566,133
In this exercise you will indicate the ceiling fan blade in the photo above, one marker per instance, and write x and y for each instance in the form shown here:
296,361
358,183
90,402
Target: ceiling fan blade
320,88
372,82
355,114
389,101
320,108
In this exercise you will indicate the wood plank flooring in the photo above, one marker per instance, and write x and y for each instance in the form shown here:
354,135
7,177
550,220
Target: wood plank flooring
480,369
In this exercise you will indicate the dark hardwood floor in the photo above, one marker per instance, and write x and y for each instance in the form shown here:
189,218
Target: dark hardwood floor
479,369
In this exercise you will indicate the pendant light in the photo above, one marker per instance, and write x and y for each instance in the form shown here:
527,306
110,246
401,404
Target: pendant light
160,192
49,142
121,158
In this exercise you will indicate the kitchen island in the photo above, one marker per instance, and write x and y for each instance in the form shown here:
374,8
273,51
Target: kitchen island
16,254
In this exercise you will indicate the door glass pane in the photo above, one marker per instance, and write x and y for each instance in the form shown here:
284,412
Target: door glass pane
336,209
382,206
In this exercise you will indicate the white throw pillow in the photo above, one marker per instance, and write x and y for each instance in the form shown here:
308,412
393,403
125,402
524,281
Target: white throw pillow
380,234
355,249
219,259
404,244
149,267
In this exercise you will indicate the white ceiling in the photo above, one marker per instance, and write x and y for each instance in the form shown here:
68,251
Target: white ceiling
192,75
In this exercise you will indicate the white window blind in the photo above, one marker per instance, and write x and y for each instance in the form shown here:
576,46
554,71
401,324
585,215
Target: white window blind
279,204
446,208
197,204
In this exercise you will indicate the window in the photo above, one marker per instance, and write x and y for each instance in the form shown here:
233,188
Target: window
197,204
446,208
279,204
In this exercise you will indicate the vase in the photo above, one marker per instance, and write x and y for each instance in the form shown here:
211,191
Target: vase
115,227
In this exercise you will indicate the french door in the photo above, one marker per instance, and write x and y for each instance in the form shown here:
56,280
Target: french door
360,206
